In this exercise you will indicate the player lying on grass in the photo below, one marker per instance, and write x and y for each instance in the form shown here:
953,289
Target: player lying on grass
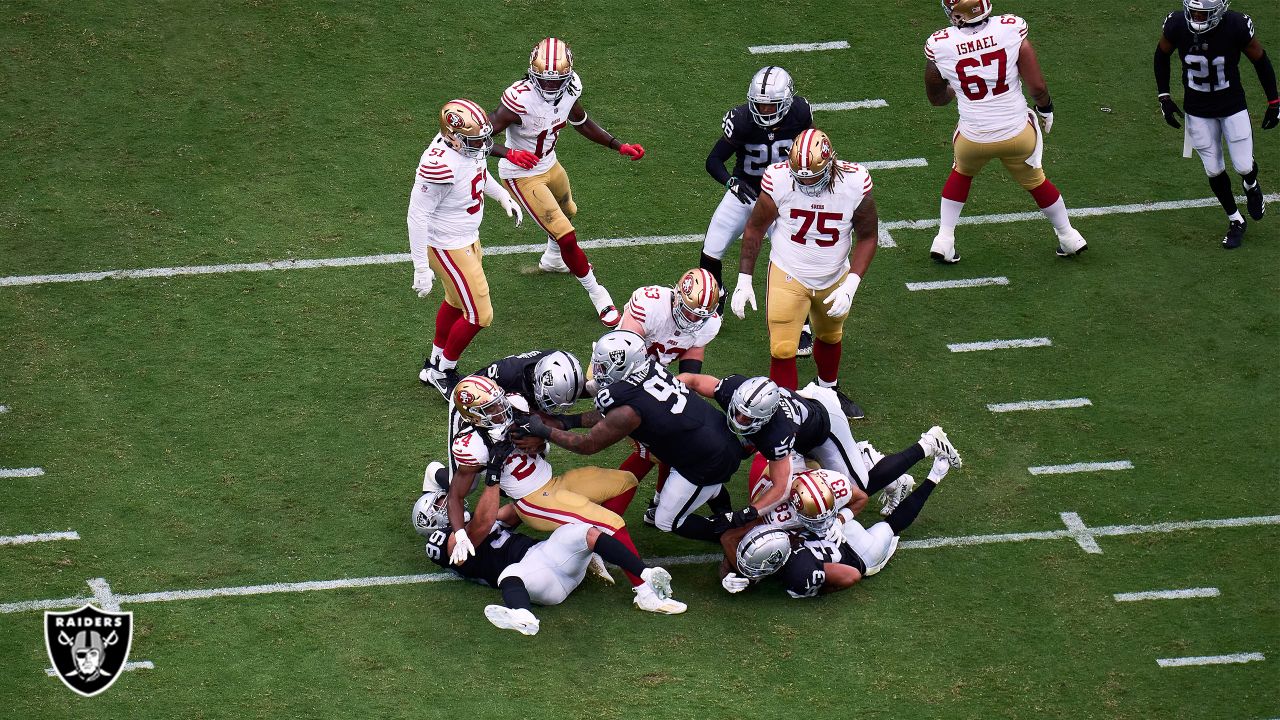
526,570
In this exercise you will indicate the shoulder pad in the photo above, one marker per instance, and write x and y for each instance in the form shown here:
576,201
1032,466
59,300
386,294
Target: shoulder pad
514,96
469,449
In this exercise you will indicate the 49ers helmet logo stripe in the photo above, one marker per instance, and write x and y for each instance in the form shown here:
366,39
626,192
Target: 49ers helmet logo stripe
465,127
88,647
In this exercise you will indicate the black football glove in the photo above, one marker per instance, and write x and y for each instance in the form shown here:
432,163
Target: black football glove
738,518
497,458
530,426
743,192
1171,111
1271,117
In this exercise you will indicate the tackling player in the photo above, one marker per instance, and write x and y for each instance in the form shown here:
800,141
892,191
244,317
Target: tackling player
445,210
533,112
1209,39
982,63
819,203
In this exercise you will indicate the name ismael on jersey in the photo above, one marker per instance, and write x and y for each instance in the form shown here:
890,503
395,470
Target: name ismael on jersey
981,43
84,622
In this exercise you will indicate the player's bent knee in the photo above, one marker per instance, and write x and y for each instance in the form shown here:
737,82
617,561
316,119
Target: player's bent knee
830,338
783,350
1029,179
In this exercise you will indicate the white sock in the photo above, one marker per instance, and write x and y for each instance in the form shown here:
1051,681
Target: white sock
1236,217
949,217
446,363
825,384
589,280
437,352
1057,214
1250,185
553,249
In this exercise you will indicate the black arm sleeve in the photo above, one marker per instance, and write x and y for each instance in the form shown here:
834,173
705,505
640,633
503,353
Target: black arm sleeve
691,366
720,153
1162,72
1266,75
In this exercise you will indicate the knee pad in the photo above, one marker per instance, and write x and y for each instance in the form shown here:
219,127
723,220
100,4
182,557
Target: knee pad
782,350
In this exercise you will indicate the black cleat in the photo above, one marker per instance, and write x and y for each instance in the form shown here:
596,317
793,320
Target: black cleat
805,349
1235,235
1253,200
851,409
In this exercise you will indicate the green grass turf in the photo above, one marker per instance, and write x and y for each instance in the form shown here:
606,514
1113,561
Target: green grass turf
241,429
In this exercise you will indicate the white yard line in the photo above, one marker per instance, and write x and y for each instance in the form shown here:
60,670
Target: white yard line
1000,344
139,665
885,240
1080,533
798,47
1080,467
1076,532
21,472
1211,660
1167,594
949,284
102,593
1038,405
38,537
892,164
852,105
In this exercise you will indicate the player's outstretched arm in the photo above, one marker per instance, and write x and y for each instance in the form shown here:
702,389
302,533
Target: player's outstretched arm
616,425
500,119
704,385
484,516
936,87
588,128
1267,76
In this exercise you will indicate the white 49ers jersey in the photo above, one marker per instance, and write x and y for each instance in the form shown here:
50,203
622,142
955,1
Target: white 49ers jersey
814,234
783,515
522,473
981,64
447,202
540,125
651,307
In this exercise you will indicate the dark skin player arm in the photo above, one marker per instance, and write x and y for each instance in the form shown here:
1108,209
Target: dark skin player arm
459,487
590,130
615,426
866,228
481,520
762,216
1032,77
936,87
500,119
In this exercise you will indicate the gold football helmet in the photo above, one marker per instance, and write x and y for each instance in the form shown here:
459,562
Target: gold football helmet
466,128
812,162
483,403
695,299
551,68
966,12
813,500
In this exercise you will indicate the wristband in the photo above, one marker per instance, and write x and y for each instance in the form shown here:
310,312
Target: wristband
1274,102
1046,109
1162,95
613,140
571,421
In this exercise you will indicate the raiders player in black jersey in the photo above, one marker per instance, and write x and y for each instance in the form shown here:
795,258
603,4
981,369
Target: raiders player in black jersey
640,399
526,570
1209,39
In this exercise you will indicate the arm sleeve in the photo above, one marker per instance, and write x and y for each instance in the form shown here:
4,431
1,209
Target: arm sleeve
720,153
1266,75
691,366
494,189
1162,72
429,196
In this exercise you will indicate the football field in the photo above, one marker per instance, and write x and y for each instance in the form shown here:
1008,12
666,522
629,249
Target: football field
210,413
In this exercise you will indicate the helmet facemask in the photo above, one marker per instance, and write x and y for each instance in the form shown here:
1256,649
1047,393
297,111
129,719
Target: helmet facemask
695,299
1204,15
551,69
465,127
812,162
813,501
752,406
769,96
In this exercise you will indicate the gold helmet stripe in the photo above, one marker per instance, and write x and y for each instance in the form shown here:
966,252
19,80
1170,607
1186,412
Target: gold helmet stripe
480,115
815,491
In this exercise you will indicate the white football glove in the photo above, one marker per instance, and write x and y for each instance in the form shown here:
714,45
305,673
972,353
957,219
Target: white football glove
743,294
422,282
841,299
735,583
513,209
462,548
834,533
1046,118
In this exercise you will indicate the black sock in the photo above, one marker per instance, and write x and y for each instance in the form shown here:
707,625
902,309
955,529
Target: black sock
714,265
721,503
613,551
905,514
1221,186
1251,177
514,594
891,467
697,527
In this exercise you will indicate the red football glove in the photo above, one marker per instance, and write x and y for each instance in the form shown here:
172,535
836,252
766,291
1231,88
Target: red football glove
635,152
522,158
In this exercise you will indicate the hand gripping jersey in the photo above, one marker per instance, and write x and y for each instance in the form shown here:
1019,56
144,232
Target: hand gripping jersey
651,306
499,550
677,426
798,425
1211,63
757,148
981,64
447,201
813,235
514,373
522,473
540,125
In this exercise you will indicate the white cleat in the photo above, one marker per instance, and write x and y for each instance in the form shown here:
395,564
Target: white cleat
659,580
895,493
605,309
647,599
944,250
520,620
549,263
596,567
893,547
936,443
429,482
1071,243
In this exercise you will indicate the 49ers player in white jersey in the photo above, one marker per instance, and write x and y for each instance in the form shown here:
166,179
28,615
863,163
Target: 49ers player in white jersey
533,113
445,210
819,202
982,62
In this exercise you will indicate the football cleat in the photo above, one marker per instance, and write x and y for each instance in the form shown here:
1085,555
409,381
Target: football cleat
431,479
596,568
1254,201
552,261
851,409
893,547
943,250
646,599
658,579
895,493
805,349
442,380
519,619
651,513
603,303
1235,234
1071,243
936,444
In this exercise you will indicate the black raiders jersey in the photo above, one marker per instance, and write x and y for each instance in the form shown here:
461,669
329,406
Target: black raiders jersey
678,426
800,424
502,548
804,573
514,373
757,148
1211,63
